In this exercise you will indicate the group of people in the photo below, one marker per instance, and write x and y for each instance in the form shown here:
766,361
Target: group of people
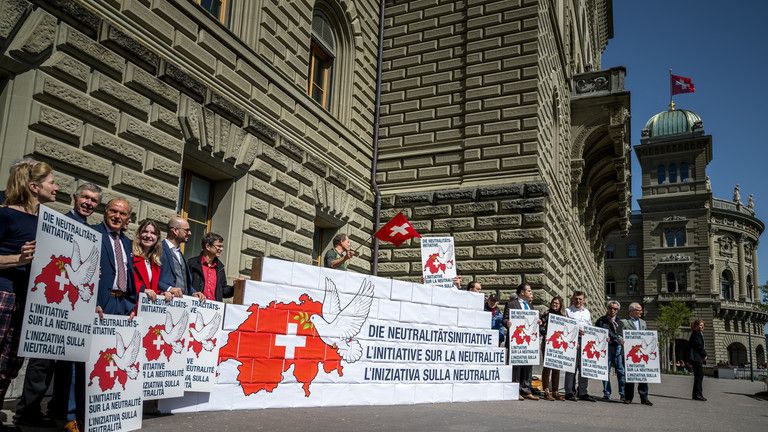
575,385
127,268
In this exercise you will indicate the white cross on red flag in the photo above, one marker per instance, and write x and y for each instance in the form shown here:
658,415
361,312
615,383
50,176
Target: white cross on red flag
397,230
681,84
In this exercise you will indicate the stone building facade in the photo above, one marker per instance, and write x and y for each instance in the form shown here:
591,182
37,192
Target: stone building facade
687,245
498,129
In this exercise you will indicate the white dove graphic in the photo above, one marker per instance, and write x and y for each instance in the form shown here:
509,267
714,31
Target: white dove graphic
126,355
203,332
82,275
173,333
338,326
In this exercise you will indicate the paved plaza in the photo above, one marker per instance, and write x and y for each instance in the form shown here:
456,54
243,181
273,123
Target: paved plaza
732,405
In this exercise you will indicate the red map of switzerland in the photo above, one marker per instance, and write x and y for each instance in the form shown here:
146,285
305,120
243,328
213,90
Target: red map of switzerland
106,371
154,344
56,283
263,361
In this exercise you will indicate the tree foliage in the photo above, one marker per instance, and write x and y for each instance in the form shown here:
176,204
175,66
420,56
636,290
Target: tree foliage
764,297
671,317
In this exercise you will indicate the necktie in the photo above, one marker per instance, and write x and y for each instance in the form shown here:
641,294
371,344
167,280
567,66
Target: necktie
121,281
525,305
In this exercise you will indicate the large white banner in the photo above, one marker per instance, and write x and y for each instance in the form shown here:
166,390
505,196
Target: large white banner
562,342
594,353
112,375
438,261
164,335
60,299
310,336
524,347
641,356
205,320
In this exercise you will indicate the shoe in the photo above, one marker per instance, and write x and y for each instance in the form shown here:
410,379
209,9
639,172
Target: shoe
571,398
530,397
521,397
700,398
40,420
559,397
606,398
626,401
646,402
548,395
587,398
71,426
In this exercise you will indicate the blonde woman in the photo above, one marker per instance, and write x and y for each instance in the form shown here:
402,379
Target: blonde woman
146,259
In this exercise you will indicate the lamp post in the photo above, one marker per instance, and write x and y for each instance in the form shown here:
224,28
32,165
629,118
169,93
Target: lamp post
749,342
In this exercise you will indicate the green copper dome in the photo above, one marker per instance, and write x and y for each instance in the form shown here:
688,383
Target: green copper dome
672,122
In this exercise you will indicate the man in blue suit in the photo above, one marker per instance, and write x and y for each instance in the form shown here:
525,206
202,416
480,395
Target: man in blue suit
117,292
85,199
175,276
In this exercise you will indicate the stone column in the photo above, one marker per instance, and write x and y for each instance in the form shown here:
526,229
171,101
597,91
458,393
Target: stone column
755,281
714,280
742,270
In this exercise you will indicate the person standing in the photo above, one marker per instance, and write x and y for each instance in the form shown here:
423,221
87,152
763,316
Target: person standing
550,378
580,313
634,322
30,184
698,358
84,201
146,259
521,374
615,348
338,256
208,275
175,276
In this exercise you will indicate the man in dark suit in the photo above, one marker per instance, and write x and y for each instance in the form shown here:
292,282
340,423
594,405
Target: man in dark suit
117,292
635,322
698,357
521,374
175,276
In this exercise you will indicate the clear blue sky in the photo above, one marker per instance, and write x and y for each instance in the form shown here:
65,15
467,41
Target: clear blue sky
723,46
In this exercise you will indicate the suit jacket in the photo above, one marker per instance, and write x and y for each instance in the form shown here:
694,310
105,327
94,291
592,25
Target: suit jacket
110,304
72,214
141,277
627,324
513,303
613,334
198,280
696,347
167,277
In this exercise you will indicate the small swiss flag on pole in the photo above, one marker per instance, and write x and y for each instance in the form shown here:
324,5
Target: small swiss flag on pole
397,230
680,84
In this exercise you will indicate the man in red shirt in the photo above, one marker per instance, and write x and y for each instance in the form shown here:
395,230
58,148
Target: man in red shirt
207,270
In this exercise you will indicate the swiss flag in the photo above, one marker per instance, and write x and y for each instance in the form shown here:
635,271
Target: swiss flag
681,84
397,230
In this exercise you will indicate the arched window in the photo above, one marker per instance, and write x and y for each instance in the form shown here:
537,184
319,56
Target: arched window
322,55
610,286
661,173
632,250
672,173
684,172
671,282
633,284
726,285
610,251
682,281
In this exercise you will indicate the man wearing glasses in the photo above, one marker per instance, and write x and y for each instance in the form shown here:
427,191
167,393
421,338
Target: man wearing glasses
175,276
207,270
615,343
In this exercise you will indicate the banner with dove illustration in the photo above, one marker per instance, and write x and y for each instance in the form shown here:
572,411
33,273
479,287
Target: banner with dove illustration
524,346
309,336
641,356
205,338
164,339
438,261
60,299
562,343
594,353
113,382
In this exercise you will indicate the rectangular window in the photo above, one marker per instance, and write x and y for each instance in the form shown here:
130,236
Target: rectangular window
610,287
320,68
197,193
217,8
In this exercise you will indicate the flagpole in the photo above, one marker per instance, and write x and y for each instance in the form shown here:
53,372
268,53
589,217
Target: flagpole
671,102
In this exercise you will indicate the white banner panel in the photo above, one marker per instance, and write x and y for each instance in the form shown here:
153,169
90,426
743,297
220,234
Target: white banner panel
60,300
438,261
562,343
113,390
164,335
523,332
205,323
351,339
594,353
641,356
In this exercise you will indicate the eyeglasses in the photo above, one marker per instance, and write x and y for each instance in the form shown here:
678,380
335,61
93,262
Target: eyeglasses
613,308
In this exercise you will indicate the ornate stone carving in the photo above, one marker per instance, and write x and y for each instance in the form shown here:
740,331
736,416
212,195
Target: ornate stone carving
675,219
675,258
592,84
737,194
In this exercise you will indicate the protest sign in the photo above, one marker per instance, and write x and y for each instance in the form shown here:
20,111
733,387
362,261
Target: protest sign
205,321
523,337
641,356
438,261
113,380
60,300
164,335
562,342
594,353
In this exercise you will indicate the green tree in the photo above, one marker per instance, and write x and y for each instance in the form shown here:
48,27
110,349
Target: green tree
763,300
671,317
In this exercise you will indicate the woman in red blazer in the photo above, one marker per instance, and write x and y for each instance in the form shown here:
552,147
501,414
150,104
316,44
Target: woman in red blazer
146,258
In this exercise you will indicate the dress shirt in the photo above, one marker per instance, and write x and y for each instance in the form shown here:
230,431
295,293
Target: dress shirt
581,315
122,251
